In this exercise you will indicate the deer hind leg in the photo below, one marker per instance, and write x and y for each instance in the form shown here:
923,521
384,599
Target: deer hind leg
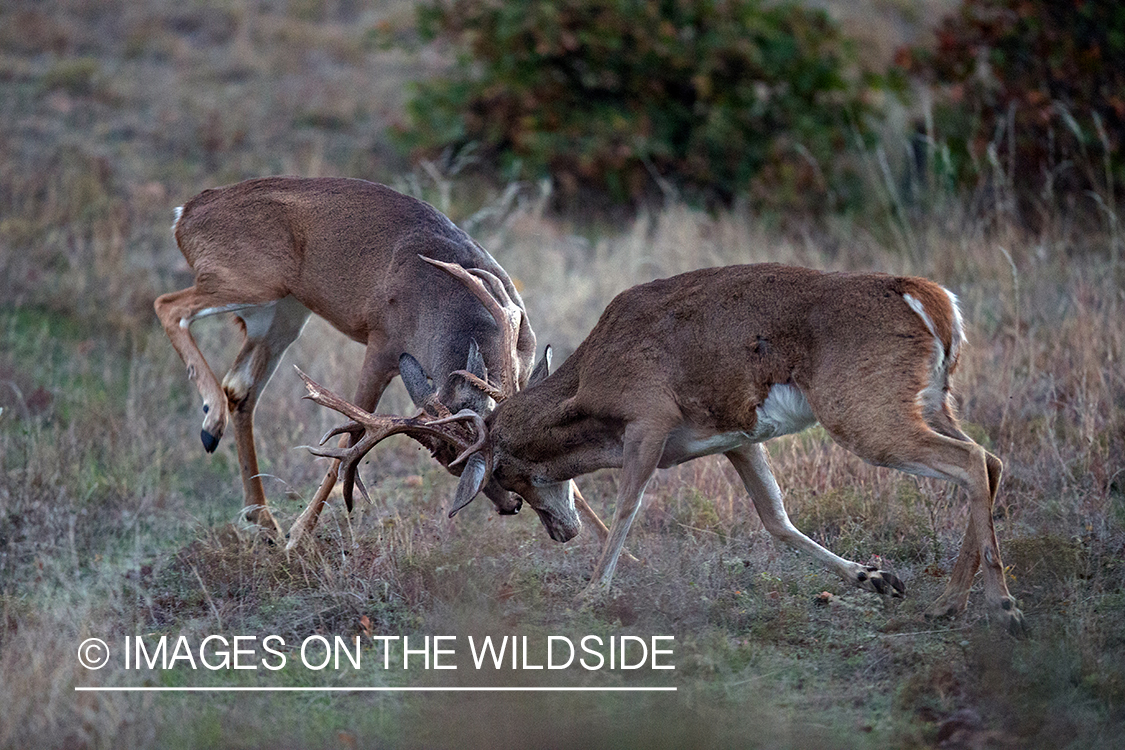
379,369
176,312
753,468
917,448
270,329
955,598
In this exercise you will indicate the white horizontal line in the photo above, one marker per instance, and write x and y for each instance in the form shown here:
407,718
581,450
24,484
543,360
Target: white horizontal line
372,689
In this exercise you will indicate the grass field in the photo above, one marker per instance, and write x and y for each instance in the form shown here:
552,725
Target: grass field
114,523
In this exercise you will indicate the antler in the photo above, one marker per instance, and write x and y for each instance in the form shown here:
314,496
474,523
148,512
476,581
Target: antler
471,437
487,288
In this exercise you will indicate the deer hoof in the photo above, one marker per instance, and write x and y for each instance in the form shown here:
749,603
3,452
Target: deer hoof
215,416
881,582
210,442
1017,627
260,516
952,602
941,609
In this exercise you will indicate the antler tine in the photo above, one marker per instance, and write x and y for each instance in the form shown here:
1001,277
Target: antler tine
349,463
496,287
349,428
504,311
325,397
492,391
479,429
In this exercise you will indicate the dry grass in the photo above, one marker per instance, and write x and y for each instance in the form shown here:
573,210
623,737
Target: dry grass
114,523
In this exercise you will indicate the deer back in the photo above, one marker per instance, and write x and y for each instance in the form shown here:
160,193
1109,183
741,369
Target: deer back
349,251
706,347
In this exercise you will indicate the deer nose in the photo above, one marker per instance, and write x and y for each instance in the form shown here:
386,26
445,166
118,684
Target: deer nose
514,509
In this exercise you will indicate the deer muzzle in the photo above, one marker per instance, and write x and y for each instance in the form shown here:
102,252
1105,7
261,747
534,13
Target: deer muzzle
558,514
560,528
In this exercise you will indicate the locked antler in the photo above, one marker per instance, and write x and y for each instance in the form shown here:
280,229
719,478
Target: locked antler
465,431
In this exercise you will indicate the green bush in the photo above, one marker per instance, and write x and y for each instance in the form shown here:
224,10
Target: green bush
718,98
1040,81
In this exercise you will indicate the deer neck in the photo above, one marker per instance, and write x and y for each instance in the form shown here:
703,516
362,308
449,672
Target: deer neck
546,425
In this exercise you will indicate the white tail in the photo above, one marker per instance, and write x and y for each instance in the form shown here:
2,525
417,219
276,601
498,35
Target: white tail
722,359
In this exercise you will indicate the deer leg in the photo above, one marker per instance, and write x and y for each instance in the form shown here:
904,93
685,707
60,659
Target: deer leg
753,468
955,598
176,312
971,467
589,515
641,455
270,329
378,370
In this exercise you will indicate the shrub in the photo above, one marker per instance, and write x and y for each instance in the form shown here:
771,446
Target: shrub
718,98
1040,81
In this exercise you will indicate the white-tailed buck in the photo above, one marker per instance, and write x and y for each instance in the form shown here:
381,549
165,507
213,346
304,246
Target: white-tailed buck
721,360
277,249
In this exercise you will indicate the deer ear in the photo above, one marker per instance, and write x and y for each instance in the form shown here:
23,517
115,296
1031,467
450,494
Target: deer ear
473,479
543,368
475,363
417,382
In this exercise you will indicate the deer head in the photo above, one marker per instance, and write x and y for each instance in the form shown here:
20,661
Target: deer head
497,465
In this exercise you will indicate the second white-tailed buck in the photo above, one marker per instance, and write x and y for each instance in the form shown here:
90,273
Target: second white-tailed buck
275,250
721,360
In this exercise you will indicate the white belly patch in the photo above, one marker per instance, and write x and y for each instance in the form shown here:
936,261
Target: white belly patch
784,412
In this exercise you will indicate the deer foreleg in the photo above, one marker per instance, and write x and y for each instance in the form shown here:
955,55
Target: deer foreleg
753,468
377,372
270,329
642,454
